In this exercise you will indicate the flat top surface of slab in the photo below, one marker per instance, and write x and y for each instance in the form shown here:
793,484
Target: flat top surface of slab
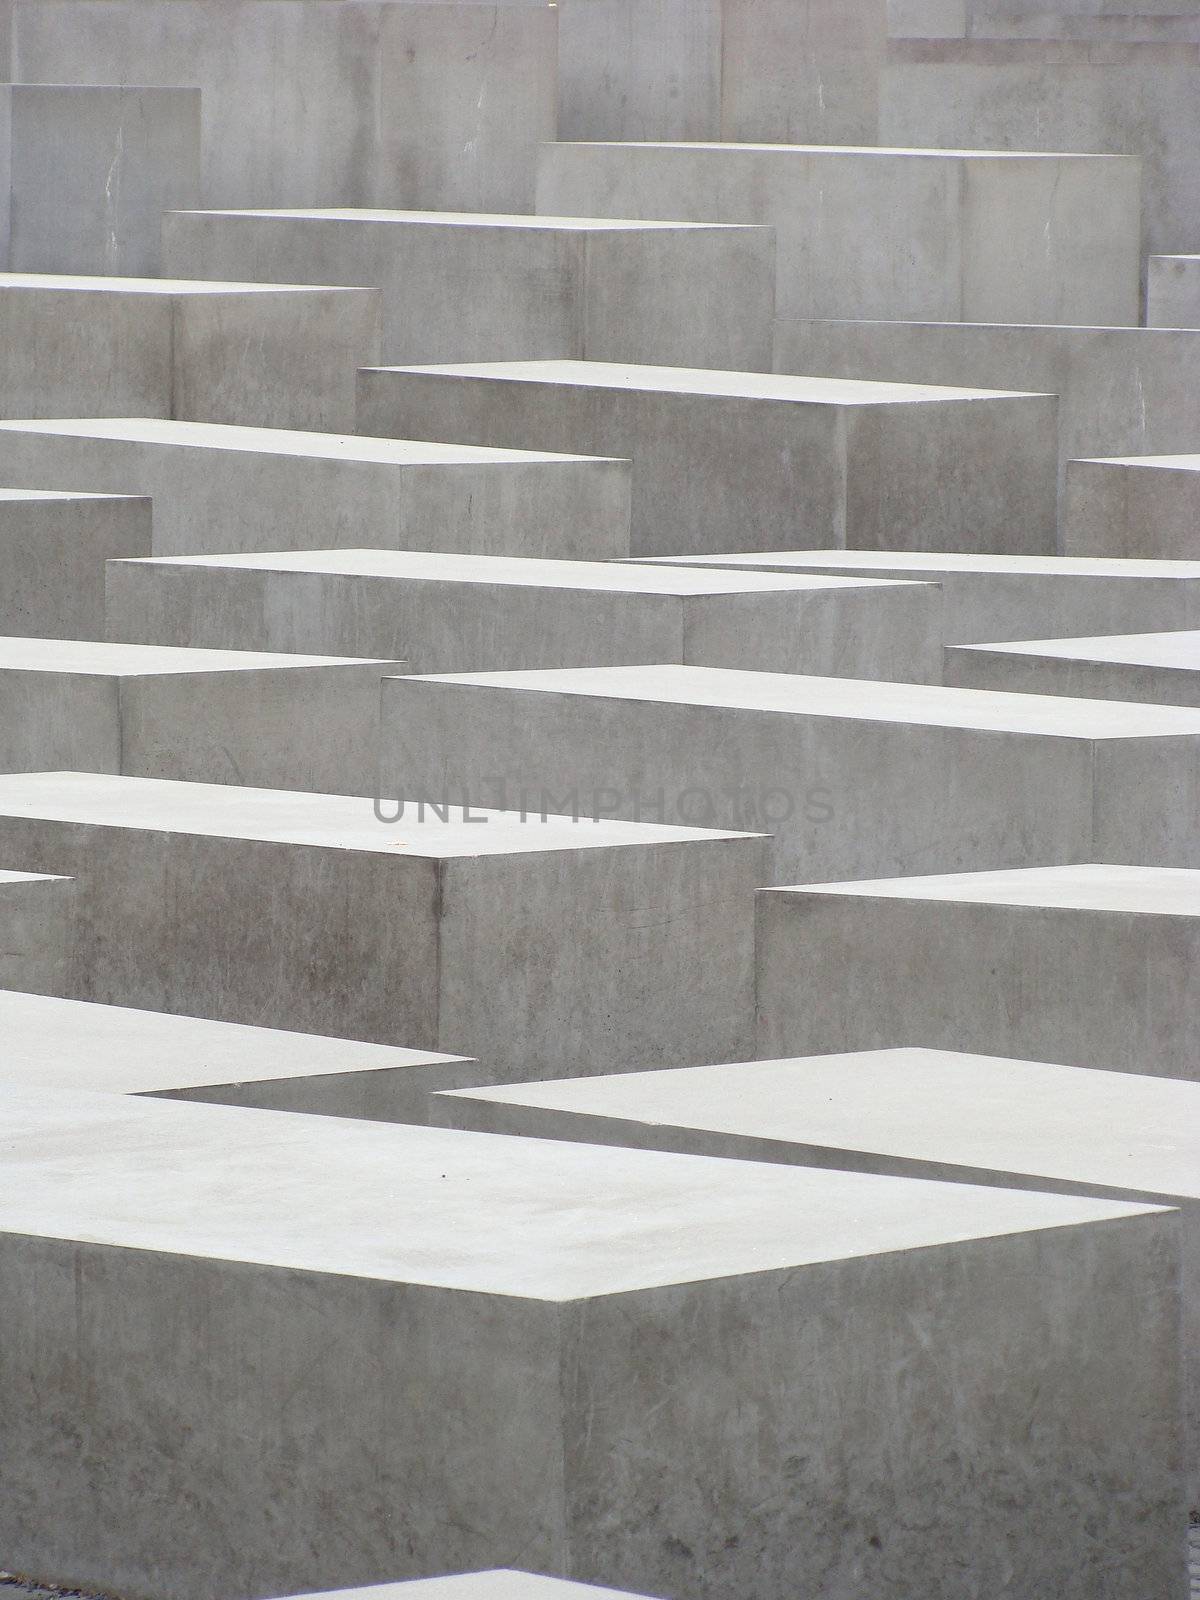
706,381
70,1044
67,495
834,150
1164,463
868,700
935,562
1178,650
7,878
480,219
280,441
1072,1124
99,659
1146,891
525,1217
497,1585
167,288
333,822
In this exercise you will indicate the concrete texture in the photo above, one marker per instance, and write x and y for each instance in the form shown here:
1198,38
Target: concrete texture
210,716
1121,391
445,613
494,1585
52,1043
728,458
234,489
853,779
432,928
648,1370
53,547
1133,506
1089,965
1006,597
1163,668
88,173
1173,292
470,287
37,929
277,356
947,234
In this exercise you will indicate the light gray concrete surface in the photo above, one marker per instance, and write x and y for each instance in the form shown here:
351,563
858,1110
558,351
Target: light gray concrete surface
494,1585
444,613
37,929
1163,668
728,458
237,489
465,286
941,234
208,716
89,171
1173,292
53,547
54,1043
651,1370
853,778
1133,506
538,945
1089,965
986,597
270,356
1122,391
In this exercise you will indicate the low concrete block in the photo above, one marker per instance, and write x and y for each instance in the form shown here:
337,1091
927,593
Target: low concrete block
472,287
53,547
1133,506
595,1322
1162,668
1087,965
944,234
553,945
37,916
211,716
53,1043
986,597
1173,292
851,777
728,458
464,613
233,489
278,356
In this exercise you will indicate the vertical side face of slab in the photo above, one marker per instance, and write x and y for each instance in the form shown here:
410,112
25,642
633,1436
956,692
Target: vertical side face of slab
1117,509
40,923
1147,802
1173,292
52,556
72,352
59,722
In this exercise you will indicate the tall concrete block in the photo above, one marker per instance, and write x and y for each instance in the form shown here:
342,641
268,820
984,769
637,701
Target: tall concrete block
53,1043
53,547
552,944
1133,506
38,914
641,1369
728,458
1162,668
1173,292
210,716
948,235
850,777
244,353
472,287
1087,965
459,613
231,489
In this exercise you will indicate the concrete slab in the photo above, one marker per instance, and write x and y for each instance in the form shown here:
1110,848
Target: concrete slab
1134,505
1163,668
728,458
552,945
1173,292
53,547
261,355
852,778
961,235
235,489
53,1043
458,613
210,716
37,916
494,1585
1087,965
987,597
560,1301
466,286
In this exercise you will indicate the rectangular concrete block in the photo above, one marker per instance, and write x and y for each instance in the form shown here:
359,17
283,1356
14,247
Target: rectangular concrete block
464,613
53,547
38,917
1162,668
210,716
228,489
1133,506
474,287
550,944
728,458
852,778
494,1585
987,597
939,234
54,1043
277,356
1173,292
626,1367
